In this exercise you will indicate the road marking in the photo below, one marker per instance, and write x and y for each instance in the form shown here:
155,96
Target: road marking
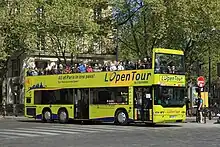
43,129
89,130
19,134
75,129
25,130
120,128
7,136
96,128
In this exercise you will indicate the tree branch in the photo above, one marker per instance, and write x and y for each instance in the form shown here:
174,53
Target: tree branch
61,49
154,42
53,46
127,45
133,32
130,16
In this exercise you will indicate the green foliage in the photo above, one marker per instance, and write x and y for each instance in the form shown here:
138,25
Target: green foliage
54,26
74,26
177,24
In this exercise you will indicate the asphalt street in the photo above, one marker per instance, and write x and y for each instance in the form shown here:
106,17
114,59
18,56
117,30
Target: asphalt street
22,133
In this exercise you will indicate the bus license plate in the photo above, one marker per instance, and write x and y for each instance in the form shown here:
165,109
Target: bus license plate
172,116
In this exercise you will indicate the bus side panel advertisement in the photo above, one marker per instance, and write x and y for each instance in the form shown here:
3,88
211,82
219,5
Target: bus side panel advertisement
99,79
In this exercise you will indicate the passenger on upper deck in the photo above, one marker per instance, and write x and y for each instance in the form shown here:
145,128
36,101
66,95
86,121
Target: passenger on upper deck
82,67
169,64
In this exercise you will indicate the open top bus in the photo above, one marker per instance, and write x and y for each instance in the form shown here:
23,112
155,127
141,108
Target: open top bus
153,95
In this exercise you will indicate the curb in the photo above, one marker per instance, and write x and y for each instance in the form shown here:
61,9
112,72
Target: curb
12,117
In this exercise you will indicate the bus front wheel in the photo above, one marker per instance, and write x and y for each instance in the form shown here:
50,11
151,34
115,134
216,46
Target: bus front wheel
47,116
121,117
63,116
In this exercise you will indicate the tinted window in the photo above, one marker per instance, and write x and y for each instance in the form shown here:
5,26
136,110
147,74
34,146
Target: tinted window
169,96
108,95
61,96
169,64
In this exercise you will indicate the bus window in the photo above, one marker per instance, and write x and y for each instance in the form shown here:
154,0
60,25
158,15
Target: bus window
37,97
61,96
65,96
169,64
169,96
109,95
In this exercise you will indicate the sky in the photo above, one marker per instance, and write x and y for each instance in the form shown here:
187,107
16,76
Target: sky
135,6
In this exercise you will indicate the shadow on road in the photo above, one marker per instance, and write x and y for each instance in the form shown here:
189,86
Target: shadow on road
156,125
77,122
36,121
216,123
193,121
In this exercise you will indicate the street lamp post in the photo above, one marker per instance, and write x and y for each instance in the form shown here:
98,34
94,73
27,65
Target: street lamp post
117,37
209,68
209,62
209,77
117,45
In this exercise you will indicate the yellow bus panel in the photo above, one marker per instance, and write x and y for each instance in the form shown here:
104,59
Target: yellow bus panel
86,80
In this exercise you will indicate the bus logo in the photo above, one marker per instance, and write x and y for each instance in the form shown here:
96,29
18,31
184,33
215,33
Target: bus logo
172,78
133,76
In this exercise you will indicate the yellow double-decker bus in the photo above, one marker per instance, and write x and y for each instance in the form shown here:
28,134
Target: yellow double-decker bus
153,95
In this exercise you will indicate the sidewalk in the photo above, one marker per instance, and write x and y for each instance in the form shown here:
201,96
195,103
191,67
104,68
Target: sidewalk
188,119
193,119
12,117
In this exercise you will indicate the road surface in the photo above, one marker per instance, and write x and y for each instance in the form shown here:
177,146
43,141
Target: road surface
21,133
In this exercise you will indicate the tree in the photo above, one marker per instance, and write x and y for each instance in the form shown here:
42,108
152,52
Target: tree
181,24
13,31
56,27
69,27
141,26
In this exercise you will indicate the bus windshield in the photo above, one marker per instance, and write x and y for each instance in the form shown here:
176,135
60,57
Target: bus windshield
169,96
169,64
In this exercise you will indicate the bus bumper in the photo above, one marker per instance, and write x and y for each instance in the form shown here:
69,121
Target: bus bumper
169,118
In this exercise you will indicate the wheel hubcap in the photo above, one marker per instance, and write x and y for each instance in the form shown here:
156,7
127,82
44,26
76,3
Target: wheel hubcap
47,115
212,113
63,116
121,117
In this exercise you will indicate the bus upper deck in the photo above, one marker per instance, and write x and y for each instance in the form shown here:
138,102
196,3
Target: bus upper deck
166,65
166,61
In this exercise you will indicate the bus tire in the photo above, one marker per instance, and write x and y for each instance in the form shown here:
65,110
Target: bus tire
121,117
63,116
47,115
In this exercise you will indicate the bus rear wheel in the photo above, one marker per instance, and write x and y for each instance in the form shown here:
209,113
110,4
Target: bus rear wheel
121,117
47,116
63,116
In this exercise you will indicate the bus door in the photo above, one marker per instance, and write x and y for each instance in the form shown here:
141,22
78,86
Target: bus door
81,103
143,103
